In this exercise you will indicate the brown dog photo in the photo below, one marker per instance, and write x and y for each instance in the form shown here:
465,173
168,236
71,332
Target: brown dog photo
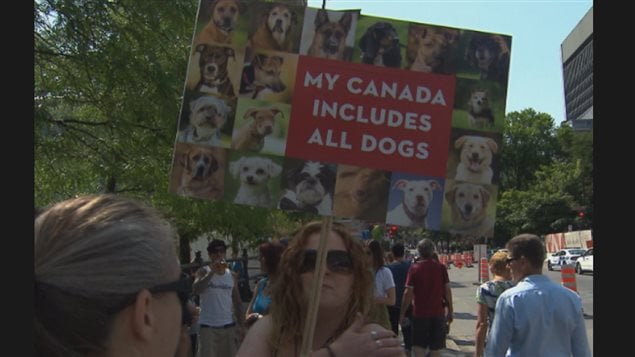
213,69
361,193
275,26
469,209
489,54
261,127
329,34
431,48
269,76
221,19
198,171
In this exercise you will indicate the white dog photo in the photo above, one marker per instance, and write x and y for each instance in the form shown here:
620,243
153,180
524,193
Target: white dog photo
207,116
254,174
414,207
475,158
310,188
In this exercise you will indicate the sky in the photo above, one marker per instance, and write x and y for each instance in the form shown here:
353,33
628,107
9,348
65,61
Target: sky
537,27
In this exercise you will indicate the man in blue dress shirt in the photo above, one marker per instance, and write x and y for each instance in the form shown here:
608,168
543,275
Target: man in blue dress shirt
537,317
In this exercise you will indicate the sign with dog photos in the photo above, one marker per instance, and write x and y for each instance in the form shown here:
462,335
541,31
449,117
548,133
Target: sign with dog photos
342,114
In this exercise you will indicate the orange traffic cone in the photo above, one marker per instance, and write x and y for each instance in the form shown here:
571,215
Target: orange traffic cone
484,270
568,277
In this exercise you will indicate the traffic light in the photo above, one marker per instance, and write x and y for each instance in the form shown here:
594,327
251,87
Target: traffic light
581,214
392,232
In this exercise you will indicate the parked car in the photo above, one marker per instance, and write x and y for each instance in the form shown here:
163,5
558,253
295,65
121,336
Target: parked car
563,257
585,262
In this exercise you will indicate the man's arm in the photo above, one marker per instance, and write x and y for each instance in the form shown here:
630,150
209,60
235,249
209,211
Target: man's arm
448,299
238,304
406,300
202,280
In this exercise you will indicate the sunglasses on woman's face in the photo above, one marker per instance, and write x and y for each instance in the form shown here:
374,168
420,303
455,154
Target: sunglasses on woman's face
337,261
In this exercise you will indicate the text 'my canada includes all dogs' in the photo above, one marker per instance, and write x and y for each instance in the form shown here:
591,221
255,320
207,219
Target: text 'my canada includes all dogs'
342,114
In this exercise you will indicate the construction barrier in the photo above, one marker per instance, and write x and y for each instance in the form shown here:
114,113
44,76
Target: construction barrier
467,257
484,266
458,262
568,277
444,260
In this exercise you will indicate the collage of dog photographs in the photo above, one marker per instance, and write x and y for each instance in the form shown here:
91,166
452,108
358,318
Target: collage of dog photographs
235,116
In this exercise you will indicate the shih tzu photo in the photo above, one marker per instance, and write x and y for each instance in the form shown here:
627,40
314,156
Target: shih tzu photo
310,186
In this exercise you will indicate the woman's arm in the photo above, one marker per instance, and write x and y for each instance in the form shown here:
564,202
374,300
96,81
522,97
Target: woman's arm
481,329
255,343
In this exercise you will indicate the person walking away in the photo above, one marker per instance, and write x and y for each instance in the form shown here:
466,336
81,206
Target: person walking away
384,284
537,317
427,284
221,320
399,269
486,296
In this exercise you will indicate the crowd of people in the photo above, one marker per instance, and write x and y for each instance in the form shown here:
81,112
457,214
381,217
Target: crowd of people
368,305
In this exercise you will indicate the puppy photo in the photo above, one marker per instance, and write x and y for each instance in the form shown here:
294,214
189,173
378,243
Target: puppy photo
329,38
490,55
479,112
380,45
223,16
430,47
254,174
212,69
262,77
468,205
361,193
475,158
309,187
207,116
277,30
260,123
198,171
415,203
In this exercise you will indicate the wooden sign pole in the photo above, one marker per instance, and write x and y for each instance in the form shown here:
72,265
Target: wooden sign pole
316,288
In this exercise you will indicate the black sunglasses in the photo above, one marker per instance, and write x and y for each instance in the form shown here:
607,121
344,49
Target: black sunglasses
337,261
182,287
510,259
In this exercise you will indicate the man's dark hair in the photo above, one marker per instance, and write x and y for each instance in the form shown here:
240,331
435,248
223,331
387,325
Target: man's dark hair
215,246
398,250
528,246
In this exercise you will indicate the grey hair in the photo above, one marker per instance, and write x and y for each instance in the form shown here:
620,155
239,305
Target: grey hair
426,248
90,254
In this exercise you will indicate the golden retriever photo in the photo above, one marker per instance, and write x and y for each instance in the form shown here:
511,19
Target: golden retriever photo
430,47
278,29
330,36
475,158
468,204
490,55
198,171
223,17
361,193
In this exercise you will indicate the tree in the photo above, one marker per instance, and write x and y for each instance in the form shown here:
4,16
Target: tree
528,144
